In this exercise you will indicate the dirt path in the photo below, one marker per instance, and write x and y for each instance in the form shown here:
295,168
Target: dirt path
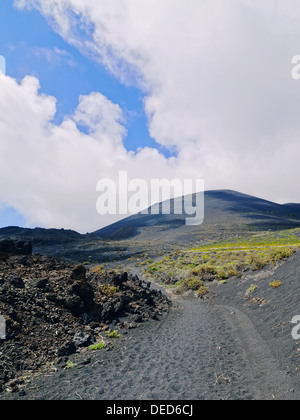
199,351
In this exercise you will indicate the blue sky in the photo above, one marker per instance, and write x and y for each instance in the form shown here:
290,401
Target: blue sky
31,47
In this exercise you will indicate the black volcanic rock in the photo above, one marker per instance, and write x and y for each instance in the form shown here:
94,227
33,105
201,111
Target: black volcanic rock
13,248
79,273
38,283
66,350
17,282
82,340
52,309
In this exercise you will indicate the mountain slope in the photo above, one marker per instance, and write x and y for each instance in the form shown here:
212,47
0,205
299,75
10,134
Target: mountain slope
228,215
38,235
224,210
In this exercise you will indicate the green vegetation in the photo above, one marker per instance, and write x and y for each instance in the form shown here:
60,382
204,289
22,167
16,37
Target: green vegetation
265,239
191,283
107,290
190,269
222,282
146,262
275,284
251,289
99,346
203,291
70,365
113,334
99,269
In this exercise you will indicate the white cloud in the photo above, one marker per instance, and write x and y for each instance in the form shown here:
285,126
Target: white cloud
217,82
49,172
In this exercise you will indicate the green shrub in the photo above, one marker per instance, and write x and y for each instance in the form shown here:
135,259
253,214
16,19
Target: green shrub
192,283
203,269
70,365
99,346
178,283
99,269
107,290
113,334
251,289
281,254
203,291
275,284
231,271
223,282
221,274
258,262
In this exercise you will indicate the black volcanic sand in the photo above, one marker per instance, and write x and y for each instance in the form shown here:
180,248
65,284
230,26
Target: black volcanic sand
270,310
189,355
223,348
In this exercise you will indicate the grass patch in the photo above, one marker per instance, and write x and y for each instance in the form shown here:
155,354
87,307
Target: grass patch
113,334
251,289
70,365
98,346
222,282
